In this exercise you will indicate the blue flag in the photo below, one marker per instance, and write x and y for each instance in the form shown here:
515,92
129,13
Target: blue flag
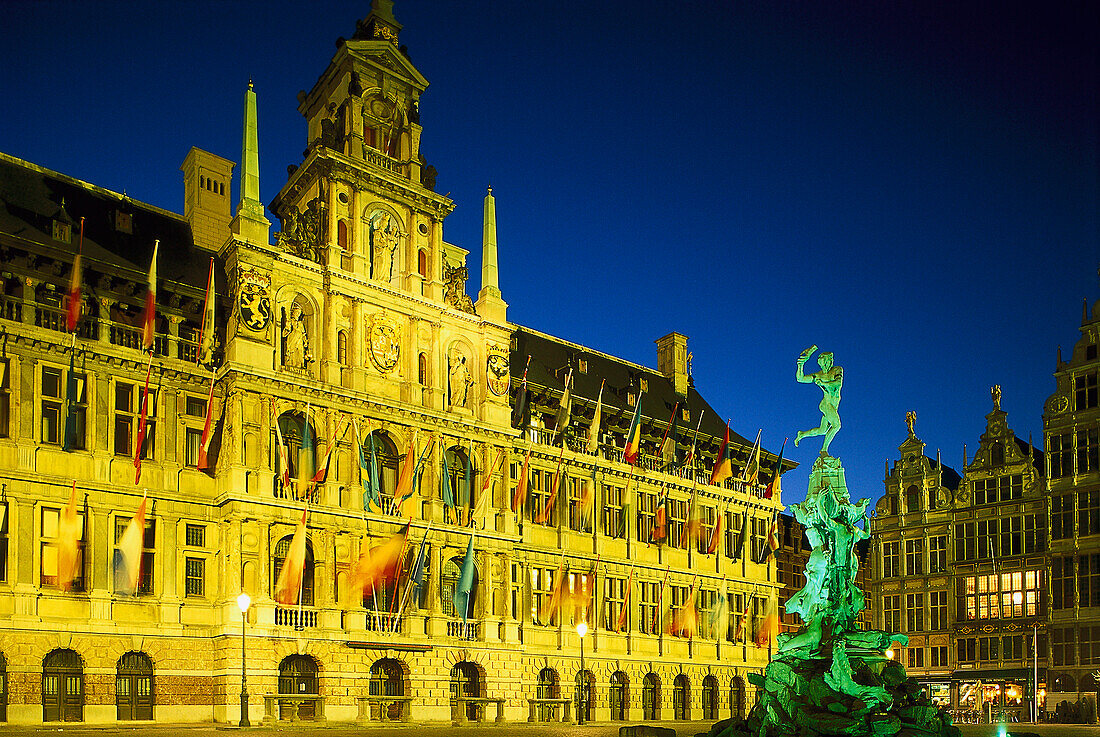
71,432
416,576
465,583
448,493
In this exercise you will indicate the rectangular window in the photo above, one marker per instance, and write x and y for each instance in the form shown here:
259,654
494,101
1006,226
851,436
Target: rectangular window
580,517
708,628
195,407
758,533
1061,583
966,542
1088,450
891,613
647,508
1061,645
677,514
985,491
992,596
195,536
989,649
542,588
49,523
676,596
3,541
914,612
5,398
195,581
650,593
916,657
988,537
706,517
1035,533
1088,512
733,534
578,607
967,650
1061,516
148,544
539,489
613,520
891,565
937,656
64,399
914,557
937,601
736,604
1060,454
1012,647
614,593
1089,644
1088,580
1084,392
937,554
517,593
192,443
128,418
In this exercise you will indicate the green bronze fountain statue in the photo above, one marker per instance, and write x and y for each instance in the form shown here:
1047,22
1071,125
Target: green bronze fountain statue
831,678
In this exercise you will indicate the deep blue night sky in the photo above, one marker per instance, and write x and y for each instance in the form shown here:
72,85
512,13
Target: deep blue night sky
912,185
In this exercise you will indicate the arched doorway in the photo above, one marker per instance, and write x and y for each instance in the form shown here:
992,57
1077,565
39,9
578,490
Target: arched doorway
62,687
710,697
466,681
547,687
584,694
134,687
737,693
617,696
681,698
298,677
387,678
651,697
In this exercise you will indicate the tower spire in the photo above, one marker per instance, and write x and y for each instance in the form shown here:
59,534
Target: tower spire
249,221
490,304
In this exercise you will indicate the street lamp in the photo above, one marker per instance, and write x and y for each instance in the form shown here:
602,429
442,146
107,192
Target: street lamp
582,700
243,602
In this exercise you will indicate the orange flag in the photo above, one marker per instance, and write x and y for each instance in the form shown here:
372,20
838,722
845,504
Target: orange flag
150,302
620,625
553,605
128,556
68,544
548,507
289,585
405,480
769,627
519,499
686,619
715,534
380,564
208,430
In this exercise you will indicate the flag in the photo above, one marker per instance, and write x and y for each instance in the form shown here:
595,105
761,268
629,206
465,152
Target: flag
658,612
627,506
486,494
205,352
751,472
72,311
634,434
519,410
420,565
128,555
717,617
368,471
330,446
74,391
689,462
594,426
207,429
465,583
723,464
284,463
686,619
773,485
551,606
405,480
150,303
769,626
289,585
565,408
621,623
771,544
739,548
660,517
305,456
716,533
548,507
693,525
140,443
447,491
586,504
519,498
668,442
68,544
467,490
378,565
743,621
418,471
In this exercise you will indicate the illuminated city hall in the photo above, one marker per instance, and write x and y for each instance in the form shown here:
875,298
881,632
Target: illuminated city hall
304,469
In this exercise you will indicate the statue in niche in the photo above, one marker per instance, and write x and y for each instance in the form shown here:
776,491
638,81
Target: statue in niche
458,379
385,237
454,287
296,353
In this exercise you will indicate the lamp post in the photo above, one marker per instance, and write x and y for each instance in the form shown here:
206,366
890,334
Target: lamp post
243,602
582,700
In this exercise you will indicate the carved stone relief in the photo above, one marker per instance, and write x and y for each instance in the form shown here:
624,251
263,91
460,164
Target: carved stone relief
454,287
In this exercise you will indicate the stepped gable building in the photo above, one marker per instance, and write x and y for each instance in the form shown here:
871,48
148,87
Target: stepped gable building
351,312
1071,429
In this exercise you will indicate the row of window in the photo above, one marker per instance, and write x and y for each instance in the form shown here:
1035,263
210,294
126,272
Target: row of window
981,540
1082,508
991,596
1073,453
1075,581
995,648
915,611
916,562
1074,645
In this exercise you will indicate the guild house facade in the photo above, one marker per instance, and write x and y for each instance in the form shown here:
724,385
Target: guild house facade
346,326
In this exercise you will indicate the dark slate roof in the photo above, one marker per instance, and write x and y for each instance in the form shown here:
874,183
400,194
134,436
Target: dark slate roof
552,357
1037,460
31,197
949,477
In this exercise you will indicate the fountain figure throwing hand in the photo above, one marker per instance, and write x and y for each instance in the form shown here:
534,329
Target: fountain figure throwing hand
830,378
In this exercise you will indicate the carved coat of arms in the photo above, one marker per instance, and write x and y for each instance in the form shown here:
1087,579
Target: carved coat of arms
253,302
384,344
497,373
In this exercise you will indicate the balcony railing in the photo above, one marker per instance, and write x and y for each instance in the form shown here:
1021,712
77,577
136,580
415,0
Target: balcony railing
463,630
11,308
383,161
51,318
299,618
383,622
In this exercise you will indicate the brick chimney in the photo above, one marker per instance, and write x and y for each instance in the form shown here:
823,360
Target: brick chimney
672,360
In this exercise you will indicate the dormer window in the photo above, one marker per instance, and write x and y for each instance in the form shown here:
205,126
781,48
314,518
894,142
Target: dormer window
62,231
630,400
124,222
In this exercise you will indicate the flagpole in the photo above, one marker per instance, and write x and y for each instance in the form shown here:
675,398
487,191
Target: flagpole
397,578
409,585
691,456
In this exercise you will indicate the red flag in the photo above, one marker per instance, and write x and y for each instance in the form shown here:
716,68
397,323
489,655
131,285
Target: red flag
634,434
769,627
693,526
620,625
723,465
72,313
405,481
519,499
660,518
322,470
205,352
141,423
773,485
715,534
128,557
68,543
289,585
150,303
207,429
772,543
743,621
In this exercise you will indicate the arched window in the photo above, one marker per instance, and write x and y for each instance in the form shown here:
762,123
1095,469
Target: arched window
651,697
422,267
342,347
422,369
448,582
459,468
932,498
997,455
466,681
299,452
297,677
681,697
737,697
1064,683
912,499
546,687
710,697
134,695
279,558
617,695
387,678
62,687
583,690
347,263
388,464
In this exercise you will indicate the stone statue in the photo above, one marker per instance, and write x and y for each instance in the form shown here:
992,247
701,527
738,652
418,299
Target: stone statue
910,422
996,392
454,287
459,381
830,378
302,231
385,237
296,353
